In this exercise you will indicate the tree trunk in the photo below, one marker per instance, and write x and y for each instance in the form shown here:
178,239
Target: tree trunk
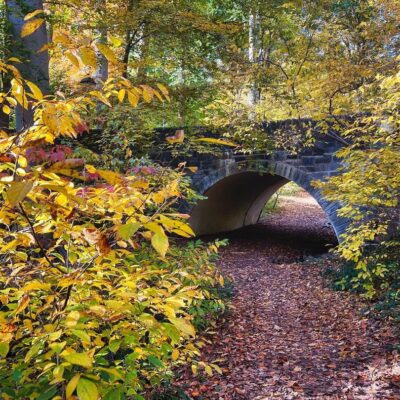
253,94
5,83
129,38
143,49
35,64
101,74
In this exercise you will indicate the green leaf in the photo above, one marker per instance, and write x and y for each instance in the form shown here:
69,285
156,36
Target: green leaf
83,335
33,351
112,372
17,192
81,359
128,230
87,390
115,345
47,395
160,243
115,394
172,332
4,349
155,361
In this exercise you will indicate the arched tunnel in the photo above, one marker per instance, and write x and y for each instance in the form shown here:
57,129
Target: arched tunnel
237,200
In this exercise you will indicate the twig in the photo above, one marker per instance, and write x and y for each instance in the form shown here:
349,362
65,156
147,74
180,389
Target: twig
42,250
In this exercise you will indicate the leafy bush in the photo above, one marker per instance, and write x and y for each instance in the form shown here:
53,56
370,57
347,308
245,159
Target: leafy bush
94,301
368,190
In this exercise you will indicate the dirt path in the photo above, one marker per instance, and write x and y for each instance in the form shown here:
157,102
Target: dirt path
288,335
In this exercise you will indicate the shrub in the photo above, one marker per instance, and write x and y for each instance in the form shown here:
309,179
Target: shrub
94,302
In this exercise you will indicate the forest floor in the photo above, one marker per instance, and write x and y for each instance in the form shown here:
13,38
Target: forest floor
288,335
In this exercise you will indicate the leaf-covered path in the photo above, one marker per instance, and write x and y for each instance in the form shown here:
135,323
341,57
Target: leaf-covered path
289,336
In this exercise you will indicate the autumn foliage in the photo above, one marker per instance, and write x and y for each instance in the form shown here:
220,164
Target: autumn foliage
94,300
368,188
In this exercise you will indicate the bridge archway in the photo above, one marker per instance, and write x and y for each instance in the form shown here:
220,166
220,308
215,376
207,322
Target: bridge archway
236,195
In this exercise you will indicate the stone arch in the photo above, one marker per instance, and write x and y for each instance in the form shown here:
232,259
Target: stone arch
236,194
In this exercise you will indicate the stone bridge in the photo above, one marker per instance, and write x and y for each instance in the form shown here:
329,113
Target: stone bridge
238,186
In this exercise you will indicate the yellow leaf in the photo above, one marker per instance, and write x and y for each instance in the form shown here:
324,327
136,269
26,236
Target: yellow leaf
112,371
217,368
133,98
176,226
33,351
160,243
36,285
87,390
81,359
17,192
57,347
37,93
183,326
72,318
148,93
12,101
31,26
163,90
107,52
63,39
22,161
44,48
14,60
73,58
208,370
58,372
217,141
22,304
101,97
111,177
67,164
115,41
90,168
72,384
121,95
154,227
6,109
33,14
83,335
18,92
88,56
179,137
175,354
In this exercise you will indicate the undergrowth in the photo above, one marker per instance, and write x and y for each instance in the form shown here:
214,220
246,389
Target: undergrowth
385,304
